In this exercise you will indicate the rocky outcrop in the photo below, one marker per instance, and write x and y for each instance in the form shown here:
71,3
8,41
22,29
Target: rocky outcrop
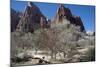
76,20
15,17
32,19
65,13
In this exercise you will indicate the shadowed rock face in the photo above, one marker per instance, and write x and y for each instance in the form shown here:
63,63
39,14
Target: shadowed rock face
31,19
15,17
65,13
79,22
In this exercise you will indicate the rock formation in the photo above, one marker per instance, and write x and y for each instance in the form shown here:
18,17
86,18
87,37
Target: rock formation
65,13
15,17
32,19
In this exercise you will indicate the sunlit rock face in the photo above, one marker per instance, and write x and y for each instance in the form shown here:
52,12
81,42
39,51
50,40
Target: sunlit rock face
32,19
63,14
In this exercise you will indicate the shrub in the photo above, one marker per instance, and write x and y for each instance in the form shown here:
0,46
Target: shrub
89,55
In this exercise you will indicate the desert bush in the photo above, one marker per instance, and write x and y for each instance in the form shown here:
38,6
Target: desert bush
62,39
89,55
20,42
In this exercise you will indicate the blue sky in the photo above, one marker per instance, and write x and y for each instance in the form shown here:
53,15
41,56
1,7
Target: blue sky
87,13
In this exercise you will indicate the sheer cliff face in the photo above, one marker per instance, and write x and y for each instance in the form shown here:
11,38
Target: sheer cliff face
31,19
65,13
15,17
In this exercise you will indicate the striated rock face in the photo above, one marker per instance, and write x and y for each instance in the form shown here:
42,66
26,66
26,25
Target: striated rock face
62,11
15,17
31,19
65,13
